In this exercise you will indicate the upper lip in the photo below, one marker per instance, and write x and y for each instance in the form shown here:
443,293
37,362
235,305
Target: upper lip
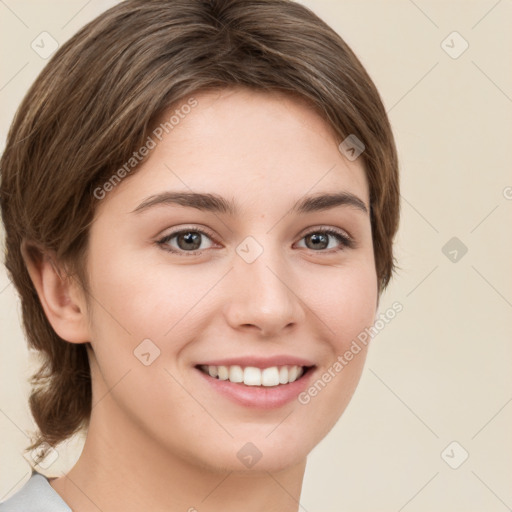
259,362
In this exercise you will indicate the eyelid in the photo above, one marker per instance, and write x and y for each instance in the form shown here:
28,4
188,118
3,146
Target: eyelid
329,229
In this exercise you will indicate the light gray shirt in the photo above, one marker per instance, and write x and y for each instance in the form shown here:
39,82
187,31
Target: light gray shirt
37,495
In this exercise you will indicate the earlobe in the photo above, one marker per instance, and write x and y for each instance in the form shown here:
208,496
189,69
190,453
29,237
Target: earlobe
60,296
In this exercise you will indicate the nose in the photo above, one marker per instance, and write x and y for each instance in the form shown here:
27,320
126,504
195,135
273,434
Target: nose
262,297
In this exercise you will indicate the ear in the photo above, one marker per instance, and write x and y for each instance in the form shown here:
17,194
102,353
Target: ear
61,297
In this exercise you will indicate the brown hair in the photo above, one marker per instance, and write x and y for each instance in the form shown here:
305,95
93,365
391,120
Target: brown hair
95,103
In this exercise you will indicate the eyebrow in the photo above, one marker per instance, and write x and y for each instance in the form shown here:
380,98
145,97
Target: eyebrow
218,204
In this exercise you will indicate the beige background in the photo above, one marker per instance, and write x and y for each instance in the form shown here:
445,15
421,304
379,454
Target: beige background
440,371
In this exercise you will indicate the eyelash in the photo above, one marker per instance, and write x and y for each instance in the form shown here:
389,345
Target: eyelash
346,241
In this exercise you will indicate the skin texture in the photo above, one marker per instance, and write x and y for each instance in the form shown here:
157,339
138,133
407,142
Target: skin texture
160,438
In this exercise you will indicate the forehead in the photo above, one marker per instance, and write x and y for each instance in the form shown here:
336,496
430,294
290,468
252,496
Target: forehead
259,148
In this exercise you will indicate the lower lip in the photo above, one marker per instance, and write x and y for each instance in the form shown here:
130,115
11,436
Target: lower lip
261,397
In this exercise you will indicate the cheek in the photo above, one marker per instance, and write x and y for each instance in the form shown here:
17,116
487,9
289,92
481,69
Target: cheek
347,302
147,299
347,307
138,312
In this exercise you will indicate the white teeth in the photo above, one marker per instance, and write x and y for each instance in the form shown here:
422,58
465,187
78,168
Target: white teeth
270,376
236,374
252,376
223,372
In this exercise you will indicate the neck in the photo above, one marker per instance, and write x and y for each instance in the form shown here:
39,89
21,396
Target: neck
121,468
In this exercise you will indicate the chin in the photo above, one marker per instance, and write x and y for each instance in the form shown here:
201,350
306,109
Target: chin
250,455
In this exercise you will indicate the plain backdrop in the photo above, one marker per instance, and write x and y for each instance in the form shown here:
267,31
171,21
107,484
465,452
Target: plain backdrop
437,386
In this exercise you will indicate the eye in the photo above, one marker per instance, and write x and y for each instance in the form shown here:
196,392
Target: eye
187,241
318,240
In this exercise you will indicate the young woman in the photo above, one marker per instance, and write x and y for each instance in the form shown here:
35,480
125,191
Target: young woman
199,200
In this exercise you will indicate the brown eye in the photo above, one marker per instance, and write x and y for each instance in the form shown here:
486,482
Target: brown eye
317,241
189,240
185,241
320,240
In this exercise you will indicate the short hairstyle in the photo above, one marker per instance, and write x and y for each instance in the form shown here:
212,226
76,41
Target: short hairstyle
98,99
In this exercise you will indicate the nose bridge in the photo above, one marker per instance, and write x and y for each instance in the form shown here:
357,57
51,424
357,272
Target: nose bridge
263,295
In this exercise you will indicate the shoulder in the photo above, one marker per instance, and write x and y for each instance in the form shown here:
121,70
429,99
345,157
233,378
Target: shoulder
37,495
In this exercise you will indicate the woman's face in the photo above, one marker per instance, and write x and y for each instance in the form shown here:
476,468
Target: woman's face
179,284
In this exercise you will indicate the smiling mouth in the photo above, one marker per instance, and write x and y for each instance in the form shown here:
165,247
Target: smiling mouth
273,376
